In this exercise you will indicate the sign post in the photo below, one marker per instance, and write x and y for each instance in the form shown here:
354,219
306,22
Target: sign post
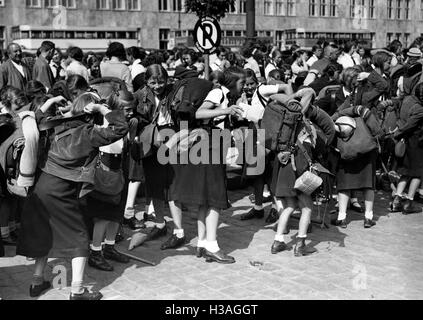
207,38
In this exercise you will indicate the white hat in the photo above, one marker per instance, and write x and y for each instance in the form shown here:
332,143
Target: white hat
346,121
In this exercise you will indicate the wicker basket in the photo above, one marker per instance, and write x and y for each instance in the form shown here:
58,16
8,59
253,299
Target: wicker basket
308,183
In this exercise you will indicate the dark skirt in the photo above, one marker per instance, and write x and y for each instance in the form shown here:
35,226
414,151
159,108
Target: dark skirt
97,209
357,174
52,221
135,170
158,178
283,177
412,165
201,184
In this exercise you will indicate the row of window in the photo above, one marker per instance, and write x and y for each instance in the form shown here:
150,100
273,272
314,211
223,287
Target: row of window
42,34
404,38
398,9
100,4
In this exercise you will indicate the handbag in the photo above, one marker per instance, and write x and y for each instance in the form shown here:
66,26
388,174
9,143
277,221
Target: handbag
108,184
400,148
360,143
309,181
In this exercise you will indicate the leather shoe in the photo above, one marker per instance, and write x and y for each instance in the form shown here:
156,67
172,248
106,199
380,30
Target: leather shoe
253,214
273,216
369,223
301,249
219,257
86,296
409,208
156,233
278,247
340,223
110,253
355,206
173,243
134,223
200,252
97,261
36,291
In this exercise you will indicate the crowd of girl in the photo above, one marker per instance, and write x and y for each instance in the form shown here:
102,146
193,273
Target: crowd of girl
85,177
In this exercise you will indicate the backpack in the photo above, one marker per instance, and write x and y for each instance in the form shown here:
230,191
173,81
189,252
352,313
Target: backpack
281,123
186,97
10,156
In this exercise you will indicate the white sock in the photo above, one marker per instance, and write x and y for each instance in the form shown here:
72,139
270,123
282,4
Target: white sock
280,238
258,208
161,225
354,200
369,215
139,216
96,249
110,242
201,243
212,246
180,233
129,213
342,216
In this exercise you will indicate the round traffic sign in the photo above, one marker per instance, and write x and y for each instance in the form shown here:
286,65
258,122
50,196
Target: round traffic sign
207,35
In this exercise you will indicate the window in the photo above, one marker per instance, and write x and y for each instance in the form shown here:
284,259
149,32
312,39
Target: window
312,8
371,13
398,11
164,5
333,8
398,36
163,38
389,38
421,10
390,9
33,3
406,39
280,7
243,6
268,7
323,8
178,5
1,5
134,5
118,4
103,5
407,10
291,8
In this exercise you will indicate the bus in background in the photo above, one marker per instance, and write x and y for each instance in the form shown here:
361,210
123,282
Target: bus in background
88,39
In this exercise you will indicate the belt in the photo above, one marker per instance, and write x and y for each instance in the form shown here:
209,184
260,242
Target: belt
112,161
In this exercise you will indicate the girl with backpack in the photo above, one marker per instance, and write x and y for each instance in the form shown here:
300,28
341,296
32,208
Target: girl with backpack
104,206
257,96
204,185
53,224
291,162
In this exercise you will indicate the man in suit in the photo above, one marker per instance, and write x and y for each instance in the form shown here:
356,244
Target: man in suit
42,71
14,72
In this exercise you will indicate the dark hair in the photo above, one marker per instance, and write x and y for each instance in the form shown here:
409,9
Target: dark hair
221,50
136,53
380,58
119,99
76,82
156,71
116,49
297,54
315,48
251,74
216,75
192,53
47,46
246,52
332,68
394,46
277,74
231,76
75,53
10,96
348,46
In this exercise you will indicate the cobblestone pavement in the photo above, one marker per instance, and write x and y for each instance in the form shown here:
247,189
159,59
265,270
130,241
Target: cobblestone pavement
384,262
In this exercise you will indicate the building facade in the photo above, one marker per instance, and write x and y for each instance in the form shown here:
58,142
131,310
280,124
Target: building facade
91,24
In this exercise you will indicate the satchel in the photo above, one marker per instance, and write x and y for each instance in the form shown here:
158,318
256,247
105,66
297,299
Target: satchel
400,148
108,184
361,142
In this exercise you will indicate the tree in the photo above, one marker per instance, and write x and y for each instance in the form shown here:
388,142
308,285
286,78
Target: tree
211,8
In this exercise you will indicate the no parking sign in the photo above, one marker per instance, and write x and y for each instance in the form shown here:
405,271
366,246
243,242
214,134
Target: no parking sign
207,35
